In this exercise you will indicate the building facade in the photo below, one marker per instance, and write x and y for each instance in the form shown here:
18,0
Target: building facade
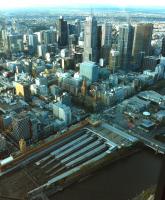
90,39
142,40
89,70
62,33
125,42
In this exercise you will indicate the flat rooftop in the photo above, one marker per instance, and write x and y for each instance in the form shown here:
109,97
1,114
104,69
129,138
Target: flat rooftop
115,135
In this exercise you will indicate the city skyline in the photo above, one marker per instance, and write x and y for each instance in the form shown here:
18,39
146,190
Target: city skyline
82,87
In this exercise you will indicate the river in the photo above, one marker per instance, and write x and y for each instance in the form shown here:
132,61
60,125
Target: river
119,181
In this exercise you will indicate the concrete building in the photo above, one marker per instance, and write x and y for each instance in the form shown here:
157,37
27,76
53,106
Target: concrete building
135,105
150,62
142,40
41,81
55,91
62,112
23,90
39,36
90,39
106,35
89,70
114,60
125,42
106,41
21,127
49,37
152,96
15,43
32,43
77,27
42,50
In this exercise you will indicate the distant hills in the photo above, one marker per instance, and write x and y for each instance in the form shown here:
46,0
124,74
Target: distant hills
87,9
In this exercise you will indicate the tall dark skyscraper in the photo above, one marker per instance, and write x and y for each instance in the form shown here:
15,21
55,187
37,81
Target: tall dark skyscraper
99,37
62,33
90,39
125,42
142,39
77,27
163,47
106,41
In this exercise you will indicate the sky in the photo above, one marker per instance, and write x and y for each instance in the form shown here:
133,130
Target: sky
43,3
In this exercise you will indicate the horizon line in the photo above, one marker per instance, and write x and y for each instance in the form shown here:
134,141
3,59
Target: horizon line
82,6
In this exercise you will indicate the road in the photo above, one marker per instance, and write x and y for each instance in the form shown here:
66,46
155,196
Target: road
148,141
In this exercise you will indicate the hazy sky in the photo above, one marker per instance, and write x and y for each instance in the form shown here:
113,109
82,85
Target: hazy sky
124,3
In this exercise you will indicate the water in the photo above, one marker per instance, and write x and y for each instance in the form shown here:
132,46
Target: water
119,181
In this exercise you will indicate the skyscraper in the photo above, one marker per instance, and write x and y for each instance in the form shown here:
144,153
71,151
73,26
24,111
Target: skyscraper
15,43
142,39
77,27
32,43
99,38
125,43
49,36
113,60
90,39
106,41
106,35
42,49
163,47
62,33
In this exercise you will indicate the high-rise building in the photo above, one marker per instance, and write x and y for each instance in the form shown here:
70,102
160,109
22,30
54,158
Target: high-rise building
106,35
46,38
71,29
32,43
2,28
77,27
4,41
90,39
99,38
1,38
114,60
139,60
49,37
89,70
72,42
163,47
21,127
39,36
15,43
125,42
106,41
62,33
42,49
142,40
